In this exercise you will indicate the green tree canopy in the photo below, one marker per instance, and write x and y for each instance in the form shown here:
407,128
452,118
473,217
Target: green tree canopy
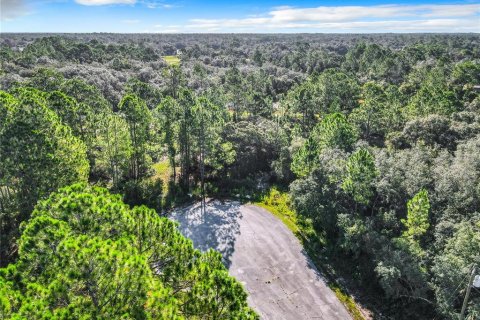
359,176
453,265
417,216
337,91
431,93
371,117
38,154
306,158
165,117
138,118
85,254
334,131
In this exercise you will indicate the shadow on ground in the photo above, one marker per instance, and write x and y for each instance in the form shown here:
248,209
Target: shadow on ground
310,265
217,228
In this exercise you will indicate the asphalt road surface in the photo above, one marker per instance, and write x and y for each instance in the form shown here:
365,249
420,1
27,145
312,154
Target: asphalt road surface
262,253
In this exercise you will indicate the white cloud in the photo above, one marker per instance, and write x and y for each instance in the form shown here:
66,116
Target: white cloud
153,4
380,18
104,2
10,9
347,13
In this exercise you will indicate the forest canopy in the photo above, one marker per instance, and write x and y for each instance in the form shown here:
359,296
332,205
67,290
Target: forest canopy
86,254
375,138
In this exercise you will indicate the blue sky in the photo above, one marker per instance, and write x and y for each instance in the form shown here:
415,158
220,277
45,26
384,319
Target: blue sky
189,16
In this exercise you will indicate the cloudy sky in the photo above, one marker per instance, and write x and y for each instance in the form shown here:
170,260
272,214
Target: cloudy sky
189,16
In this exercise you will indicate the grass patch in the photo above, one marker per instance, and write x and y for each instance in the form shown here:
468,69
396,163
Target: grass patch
163,172
172,60
347,301
278,203
172,195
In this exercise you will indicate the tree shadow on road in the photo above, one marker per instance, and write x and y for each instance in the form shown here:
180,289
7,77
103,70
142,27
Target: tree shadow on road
217,228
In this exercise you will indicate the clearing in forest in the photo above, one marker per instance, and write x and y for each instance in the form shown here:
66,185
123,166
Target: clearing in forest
262,253
172,60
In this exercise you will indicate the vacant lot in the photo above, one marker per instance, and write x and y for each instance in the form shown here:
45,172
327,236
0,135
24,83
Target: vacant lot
262,253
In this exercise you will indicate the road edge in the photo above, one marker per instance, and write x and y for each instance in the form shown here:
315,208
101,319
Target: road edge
342,294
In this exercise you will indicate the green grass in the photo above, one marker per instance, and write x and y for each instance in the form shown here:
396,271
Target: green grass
278,203
172,60
172,195
347,301
163,172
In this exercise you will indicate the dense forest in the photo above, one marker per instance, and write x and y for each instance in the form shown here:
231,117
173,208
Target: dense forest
375,138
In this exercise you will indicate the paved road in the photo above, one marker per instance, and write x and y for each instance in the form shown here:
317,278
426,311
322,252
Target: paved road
262,253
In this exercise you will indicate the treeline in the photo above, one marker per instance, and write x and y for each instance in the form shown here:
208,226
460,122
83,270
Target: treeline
387,170
377,139
108,61
82,252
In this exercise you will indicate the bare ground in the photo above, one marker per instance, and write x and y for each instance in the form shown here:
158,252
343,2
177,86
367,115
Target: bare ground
262,253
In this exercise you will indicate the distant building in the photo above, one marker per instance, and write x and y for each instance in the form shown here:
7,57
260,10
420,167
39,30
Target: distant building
179,52
476,87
